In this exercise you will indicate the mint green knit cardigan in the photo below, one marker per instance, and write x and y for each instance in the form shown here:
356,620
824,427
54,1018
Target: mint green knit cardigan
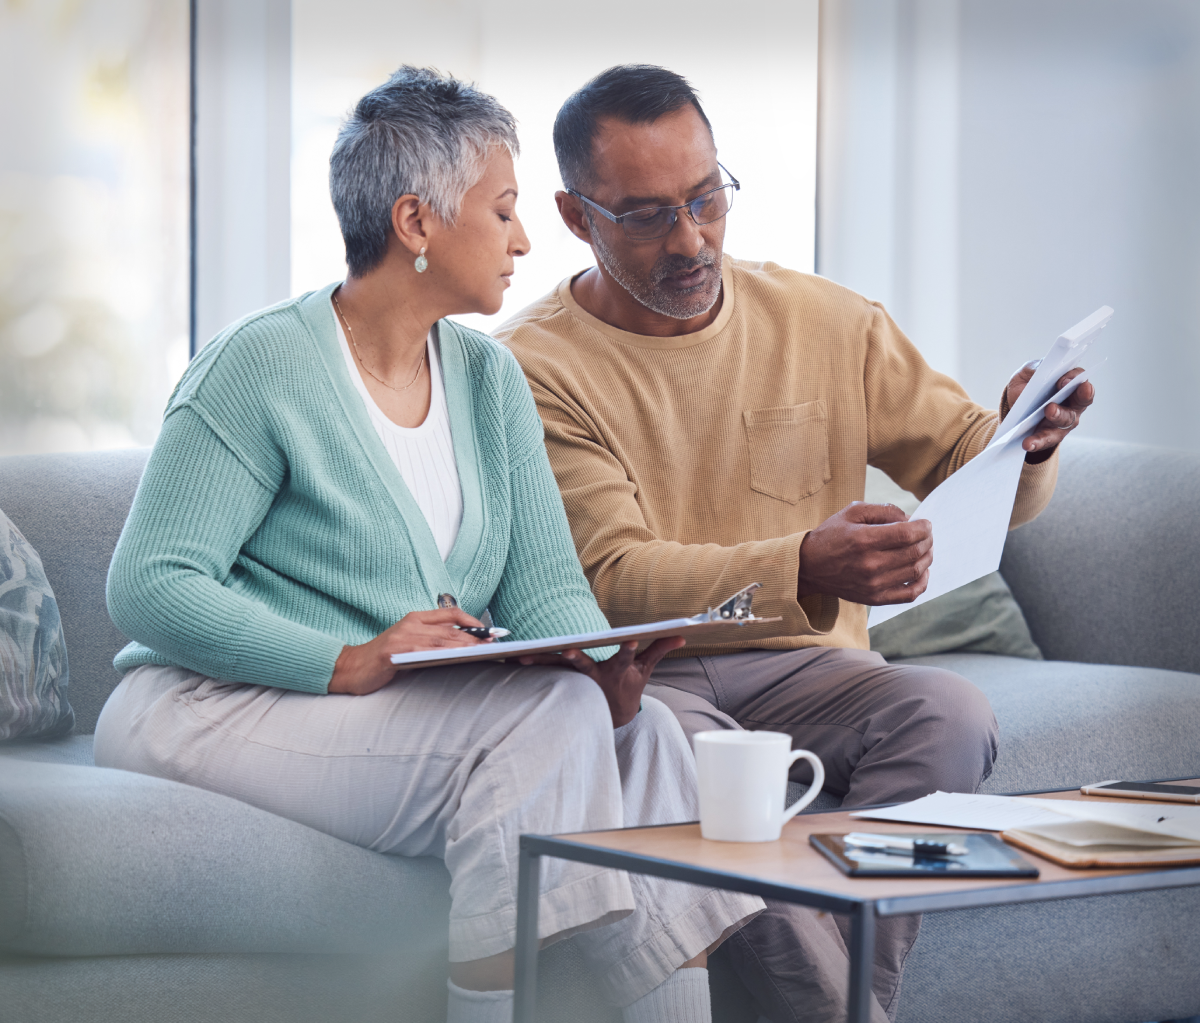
271,528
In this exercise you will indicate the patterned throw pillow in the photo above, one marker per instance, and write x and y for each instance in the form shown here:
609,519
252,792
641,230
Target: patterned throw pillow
33,654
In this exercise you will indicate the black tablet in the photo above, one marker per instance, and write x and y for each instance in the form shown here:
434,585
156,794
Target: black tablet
987,856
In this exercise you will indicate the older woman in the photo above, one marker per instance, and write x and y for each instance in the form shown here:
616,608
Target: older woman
326,469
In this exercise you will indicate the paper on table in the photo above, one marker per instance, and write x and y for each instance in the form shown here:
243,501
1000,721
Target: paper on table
1005,813
970,511
964,810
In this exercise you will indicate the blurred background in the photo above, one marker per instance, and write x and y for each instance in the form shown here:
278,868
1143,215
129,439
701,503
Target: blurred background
992,172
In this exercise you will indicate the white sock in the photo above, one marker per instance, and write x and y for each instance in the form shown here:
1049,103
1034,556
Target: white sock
681,998
465,1006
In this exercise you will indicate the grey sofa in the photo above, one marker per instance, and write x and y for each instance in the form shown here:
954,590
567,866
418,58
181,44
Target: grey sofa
130,898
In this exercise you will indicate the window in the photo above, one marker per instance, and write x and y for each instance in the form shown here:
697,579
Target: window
93,221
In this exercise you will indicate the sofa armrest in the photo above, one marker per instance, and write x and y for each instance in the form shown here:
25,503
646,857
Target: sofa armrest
96,861
1110,571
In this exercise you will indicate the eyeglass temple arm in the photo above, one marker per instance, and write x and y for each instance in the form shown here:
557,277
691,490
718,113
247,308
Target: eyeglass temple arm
595,206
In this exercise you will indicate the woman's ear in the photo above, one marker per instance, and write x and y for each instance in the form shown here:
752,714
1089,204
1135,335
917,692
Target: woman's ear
409,221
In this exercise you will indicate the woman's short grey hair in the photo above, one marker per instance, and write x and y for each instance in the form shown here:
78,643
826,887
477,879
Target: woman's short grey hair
421,133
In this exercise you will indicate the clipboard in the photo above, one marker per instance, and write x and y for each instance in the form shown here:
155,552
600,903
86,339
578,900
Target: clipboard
716,621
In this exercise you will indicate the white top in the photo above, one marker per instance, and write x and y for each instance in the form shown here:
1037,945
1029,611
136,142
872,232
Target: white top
424,454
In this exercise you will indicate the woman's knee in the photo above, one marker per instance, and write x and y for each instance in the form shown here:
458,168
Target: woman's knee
656,716
576,703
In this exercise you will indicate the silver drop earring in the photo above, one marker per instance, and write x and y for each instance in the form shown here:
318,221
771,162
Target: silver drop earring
421,263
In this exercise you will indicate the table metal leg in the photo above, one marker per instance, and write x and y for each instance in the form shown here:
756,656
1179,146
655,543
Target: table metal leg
862,962
529,878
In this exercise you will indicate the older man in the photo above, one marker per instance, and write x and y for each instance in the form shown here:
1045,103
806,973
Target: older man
709,421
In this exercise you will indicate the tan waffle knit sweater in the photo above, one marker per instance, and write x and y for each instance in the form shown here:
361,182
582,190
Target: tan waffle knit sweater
691,466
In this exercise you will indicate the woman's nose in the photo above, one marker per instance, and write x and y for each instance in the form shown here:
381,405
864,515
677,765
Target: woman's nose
520,240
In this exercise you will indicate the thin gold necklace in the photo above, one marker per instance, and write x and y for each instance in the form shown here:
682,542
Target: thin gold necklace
350,331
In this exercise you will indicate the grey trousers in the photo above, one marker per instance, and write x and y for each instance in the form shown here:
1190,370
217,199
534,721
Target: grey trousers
885,733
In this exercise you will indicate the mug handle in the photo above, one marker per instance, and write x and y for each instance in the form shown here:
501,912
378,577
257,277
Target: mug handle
814,789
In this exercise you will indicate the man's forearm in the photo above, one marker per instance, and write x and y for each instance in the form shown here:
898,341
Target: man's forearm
652,580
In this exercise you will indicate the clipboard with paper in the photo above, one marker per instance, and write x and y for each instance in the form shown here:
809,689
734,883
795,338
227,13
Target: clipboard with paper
728,616
970,510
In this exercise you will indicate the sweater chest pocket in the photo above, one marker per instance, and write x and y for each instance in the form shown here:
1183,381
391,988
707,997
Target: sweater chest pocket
789,450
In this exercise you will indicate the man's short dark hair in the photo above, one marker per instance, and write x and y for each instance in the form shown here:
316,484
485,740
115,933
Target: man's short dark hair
633,93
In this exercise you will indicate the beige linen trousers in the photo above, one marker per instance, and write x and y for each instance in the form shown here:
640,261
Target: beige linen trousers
455,762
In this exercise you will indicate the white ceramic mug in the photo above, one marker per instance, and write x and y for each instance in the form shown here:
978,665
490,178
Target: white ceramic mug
743,784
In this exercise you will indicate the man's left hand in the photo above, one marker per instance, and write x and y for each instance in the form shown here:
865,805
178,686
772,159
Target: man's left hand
621,678
1059,419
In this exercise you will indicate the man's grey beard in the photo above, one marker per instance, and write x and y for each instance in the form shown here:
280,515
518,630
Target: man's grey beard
647,287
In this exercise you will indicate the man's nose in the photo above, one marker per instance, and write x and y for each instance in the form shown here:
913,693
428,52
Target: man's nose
684,238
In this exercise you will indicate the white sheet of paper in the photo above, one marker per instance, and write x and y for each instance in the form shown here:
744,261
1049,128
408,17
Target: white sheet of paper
964,810
970,511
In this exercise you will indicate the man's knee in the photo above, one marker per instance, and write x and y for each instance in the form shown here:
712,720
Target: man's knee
966,708
959,712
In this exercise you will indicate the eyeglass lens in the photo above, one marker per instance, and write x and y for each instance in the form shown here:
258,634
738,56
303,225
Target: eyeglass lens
654,223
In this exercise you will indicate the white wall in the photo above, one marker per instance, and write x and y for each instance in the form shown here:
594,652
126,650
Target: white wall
996,171
756,73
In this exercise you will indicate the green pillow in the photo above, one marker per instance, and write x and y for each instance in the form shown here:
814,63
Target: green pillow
981,617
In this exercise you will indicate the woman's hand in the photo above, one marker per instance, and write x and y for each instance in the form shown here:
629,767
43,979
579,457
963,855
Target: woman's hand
622,677
364,669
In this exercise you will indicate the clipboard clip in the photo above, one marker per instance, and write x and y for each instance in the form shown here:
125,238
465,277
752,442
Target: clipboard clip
489,631
735,609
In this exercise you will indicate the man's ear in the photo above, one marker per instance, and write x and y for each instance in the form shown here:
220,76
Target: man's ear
571,211
409,221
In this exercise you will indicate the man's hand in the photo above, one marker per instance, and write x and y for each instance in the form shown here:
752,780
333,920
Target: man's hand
868,554
622,677
1059,419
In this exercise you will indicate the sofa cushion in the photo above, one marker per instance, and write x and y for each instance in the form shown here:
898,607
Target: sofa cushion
102,862
1064,724
1109,573
71,508
66,749
33,655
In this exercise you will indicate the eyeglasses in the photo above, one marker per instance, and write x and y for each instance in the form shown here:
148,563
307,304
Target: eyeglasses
657,221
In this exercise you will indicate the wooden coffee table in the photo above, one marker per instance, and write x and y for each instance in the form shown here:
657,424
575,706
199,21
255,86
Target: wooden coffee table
791,870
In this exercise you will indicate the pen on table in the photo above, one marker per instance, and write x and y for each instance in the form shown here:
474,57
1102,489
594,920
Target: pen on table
903,846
